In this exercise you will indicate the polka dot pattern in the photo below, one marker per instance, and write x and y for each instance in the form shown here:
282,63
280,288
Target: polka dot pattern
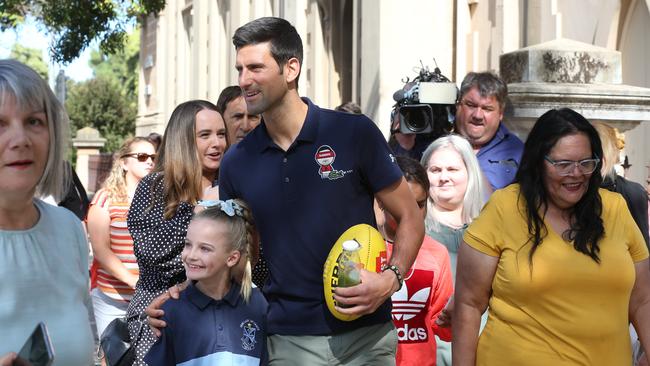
260,272
157,245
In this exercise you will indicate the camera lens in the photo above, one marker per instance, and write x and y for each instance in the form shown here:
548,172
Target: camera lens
416,118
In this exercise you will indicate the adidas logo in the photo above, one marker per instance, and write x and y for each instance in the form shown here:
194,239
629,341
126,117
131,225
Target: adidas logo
405,308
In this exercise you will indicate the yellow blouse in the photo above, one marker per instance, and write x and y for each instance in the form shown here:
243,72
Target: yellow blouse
566,309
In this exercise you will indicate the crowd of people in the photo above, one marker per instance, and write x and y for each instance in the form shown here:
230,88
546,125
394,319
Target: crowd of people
211,242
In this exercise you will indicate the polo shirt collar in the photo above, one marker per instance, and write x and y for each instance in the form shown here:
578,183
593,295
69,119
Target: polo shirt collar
500,135
308,132
201,300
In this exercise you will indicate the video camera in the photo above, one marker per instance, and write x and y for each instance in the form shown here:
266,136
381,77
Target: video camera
427,104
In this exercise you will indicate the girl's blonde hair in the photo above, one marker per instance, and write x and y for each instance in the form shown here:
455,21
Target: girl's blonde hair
29,90
178,158
115,184
243,235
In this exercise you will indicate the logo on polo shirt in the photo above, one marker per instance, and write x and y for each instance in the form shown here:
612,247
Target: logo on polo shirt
248,340
325,157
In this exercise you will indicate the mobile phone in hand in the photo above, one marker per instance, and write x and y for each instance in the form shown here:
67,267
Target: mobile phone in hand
37,350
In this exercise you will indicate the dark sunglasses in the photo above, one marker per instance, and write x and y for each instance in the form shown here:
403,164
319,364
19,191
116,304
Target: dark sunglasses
142,157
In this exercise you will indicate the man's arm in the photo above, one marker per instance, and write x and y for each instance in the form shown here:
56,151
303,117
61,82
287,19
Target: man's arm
398,200
375,288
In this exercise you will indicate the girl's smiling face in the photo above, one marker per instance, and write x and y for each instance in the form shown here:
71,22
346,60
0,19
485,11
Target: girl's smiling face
207,253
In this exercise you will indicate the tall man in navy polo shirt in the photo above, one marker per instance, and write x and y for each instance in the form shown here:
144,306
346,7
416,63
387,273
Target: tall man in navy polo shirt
309,175
478,118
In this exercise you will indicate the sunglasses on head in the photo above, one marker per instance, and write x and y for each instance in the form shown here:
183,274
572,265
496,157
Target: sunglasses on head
142,157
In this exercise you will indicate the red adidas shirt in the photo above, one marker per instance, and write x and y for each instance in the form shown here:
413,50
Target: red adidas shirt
426,290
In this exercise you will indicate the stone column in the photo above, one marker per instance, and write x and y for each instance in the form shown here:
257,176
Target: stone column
88,142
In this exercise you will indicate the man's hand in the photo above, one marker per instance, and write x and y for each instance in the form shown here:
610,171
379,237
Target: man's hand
8,359
367,296
154,311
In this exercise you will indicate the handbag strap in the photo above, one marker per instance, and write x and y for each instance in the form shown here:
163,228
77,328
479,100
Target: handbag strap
142,320
139,316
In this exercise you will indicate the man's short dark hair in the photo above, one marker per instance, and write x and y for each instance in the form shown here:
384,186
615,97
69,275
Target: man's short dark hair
283,37
349,107
228,94
488,85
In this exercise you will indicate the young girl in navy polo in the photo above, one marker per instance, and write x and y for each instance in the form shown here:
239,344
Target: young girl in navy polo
216,320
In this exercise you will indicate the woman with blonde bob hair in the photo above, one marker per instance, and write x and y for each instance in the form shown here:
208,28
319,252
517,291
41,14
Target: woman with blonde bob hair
117,270
43,249
186,171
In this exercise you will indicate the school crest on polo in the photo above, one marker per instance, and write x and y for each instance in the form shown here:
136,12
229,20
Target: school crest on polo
249,330
325,157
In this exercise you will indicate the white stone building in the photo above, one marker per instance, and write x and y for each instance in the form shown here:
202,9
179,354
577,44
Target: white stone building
360,50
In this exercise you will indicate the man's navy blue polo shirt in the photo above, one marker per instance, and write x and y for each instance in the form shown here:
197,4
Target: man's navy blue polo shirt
204,331
303,199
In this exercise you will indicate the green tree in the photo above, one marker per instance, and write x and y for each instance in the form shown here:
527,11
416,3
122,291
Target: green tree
108,102
121,67
74,24
32,57
100,103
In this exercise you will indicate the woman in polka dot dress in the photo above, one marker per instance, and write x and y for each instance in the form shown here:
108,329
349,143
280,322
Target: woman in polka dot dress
186,171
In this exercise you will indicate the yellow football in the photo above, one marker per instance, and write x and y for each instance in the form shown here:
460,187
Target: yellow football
372,256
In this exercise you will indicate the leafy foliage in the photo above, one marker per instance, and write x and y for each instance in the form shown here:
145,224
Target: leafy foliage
108,102
74,24
31,57
101,104
121,67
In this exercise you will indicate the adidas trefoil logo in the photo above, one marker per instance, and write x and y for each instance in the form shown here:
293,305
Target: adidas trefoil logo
405,308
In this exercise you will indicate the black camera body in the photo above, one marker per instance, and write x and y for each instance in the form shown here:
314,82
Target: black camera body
426,105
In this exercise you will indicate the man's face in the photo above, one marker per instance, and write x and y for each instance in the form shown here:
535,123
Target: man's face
238,122
478,118
260,77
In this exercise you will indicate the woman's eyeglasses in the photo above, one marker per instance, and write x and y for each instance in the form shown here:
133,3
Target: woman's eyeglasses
142,157
565,167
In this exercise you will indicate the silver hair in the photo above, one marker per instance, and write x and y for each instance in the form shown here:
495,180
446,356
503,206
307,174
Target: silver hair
30,91
474,197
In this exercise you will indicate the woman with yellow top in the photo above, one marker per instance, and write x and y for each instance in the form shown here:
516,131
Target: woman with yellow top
560,262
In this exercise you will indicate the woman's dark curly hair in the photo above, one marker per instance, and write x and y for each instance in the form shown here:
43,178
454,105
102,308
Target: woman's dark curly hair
586,225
